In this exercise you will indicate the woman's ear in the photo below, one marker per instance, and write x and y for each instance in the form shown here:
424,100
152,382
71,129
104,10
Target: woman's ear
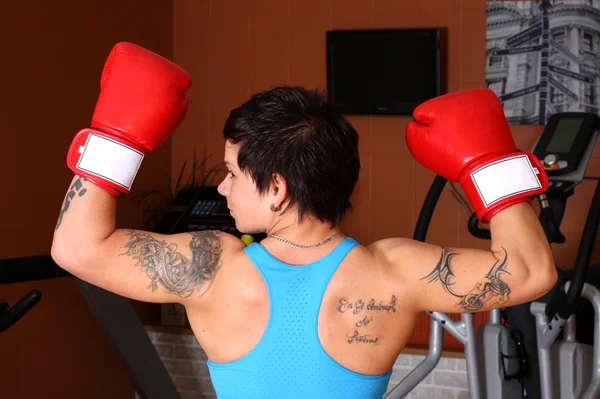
278,188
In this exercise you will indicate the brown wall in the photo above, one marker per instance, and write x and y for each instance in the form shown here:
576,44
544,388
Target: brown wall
236,48
52,54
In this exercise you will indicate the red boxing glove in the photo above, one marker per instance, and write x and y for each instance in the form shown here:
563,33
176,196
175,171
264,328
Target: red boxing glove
465,138
142,101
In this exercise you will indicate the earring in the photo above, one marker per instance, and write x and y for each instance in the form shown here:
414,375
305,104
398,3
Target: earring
274,208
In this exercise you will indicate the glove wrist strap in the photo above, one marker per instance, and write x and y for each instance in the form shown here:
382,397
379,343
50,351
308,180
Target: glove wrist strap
492,182
110,158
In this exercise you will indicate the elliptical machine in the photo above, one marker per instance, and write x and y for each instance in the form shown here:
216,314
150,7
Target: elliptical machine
544,366
567,368
526,359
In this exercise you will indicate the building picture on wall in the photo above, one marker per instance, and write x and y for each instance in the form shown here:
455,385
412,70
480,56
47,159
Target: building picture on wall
542,57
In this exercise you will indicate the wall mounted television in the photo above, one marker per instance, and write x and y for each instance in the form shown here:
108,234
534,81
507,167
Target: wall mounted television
388,71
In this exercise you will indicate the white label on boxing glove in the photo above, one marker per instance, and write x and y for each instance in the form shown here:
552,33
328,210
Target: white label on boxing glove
110,160
505,178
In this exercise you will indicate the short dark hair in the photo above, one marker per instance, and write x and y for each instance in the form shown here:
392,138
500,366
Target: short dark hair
299,134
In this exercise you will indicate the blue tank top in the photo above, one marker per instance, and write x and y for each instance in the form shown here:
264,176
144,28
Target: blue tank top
289,361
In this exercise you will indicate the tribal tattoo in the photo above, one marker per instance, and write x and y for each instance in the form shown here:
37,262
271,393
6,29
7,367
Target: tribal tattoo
76,189
167,267
491,291
366,311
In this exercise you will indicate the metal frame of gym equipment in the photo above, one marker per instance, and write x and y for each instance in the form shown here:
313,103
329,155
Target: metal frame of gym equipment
463,330
130,342
550,318
116,317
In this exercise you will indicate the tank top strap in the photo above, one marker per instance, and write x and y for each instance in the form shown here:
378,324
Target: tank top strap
267,264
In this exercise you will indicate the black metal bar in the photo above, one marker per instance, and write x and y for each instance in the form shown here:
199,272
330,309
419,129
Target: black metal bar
475,230
9,316
582,262
32,268
130,342
428,208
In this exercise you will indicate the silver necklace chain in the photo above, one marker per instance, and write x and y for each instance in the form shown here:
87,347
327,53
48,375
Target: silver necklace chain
297,246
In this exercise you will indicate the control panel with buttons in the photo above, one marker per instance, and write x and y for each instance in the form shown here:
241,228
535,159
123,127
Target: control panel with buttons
201,209
564,148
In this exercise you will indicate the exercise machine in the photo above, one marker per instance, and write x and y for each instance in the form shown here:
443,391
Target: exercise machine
568,368
543,365
115,315
12,271
537,355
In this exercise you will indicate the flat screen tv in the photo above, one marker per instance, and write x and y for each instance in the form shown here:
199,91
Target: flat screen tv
382,71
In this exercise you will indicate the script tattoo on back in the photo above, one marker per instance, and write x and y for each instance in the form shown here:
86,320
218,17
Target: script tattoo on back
168,268
490,291
366,310
76,189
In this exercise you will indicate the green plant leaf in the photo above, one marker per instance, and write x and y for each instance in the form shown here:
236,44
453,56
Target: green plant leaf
145,195
193,178
174,193
214,169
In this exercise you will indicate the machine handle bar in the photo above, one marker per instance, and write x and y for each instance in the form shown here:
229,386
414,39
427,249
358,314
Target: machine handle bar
9,316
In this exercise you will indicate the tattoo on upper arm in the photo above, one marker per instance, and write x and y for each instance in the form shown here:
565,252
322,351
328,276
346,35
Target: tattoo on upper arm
76,189
491,291
366,311
167,267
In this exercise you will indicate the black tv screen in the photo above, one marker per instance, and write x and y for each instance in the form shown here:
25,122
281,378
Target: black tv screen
382,71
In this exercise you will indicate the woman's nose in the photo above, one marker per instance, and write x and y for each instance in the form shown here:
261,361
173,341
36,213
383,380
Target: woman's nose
223,188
